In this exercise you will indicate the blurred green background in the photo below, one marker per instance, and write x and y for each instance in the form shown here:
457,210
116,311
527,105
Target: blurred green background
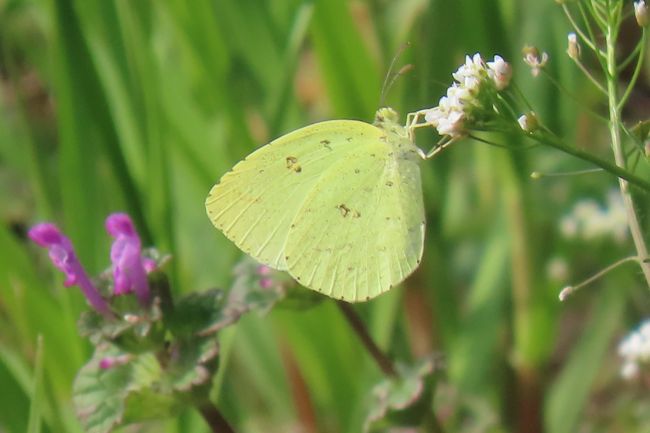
141,105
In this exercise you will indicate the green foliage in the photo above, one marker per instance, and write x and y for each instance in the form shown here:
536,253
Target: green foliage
141,106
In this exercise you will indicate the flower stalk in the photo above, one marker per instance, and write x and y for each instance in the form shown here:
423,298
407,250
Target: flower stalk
616,143
384,362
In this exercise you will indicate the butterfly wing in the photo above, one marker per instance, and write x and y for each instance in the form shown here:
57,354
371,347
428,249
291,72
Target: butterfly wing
360,230
255,203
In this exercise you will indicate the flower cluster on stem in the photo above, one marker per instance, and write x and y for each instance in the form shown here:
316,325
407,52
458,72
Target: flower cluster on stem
63,257
470,96
129,268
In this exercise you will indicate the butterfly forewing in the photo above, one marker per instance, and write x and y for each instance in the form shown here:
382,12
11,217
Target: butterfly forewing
256,202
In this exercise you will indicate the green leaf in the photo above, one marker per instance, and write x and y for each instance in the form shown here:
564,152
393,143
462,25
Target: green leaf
35,410
208,312
101,396
193,363
408,392
641,130
133,329
201,311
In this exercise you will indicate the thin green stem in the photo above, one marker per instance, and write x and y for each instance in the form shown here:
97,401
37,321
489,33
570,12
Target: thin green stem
214,419
580,33
495,144
521,94
598,15
575,99
384,362
551,140
635,75
590,76
539,175
617,147
631,56
569,290
600,55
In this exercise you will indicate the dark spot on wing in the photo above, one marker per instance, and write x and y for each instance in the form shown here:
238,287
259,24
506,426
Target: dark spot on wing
356,214
389,183
348,138
357,171
326,143
292,164
344,210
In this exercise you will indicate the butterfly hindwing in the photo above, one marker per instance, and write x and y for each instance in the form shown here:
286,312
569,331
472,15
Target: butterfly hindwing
360,230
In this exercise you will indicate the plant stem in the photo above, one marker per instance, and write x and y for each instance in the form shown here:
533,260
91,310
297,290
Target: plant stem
617,148
214,419
384,362
614,169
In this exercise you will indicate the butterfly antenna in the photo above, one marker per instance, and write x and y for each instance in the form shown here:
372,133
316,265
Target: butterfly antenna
390,77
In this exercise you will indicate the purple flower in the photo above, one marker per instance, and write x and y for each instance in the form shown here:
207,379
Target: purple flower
266,280
62,255
129,268
113,361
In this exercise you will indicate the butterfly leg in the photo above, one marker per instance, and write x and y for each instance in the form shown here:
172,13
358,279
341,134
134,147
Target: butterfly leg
439,147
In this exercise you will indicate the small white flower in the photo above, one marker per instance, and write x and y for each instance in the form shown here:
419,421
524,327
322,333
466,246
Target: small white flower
630,370
569,227
641,13
557,269
573,48
466,99
528,122
533,59
635,351
500,72
588,220
453,124
457,95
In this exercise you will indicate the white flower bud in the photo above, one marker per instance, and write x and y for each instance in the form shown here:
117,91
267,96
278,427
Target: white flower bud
573,49
641,13
528,122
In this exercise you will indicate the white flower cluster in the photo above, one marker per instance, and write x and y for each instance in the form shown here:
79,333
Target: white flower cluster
589,221
454,110
635,351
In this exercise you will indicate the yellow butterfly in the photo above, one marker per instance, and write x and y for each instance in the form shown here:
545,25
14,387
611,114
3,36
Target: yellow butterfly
337,204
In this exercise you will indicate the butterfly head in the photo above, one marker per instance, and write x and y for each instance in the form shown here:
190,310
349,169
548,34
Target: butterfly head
386,116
